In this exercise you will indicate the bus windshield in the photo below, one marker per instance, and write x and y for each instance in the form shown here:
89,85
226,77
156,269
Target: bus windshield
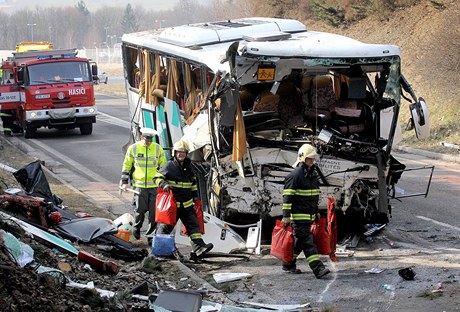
58,72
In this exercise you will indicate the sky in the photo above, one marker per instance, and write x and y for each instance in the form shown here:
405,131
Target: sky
11,5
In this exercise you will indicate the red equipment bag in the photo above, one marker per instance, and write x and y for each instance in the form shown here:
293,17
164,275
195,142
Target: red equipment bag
282,242
198,206
325,232
166,207
321,236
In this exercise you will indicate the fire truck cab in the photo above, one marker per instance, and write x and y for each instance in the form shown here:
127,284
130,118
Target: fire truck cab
48,88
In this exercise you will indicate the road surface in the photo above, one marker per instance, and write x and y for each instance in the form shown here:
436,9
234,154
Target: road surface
423,232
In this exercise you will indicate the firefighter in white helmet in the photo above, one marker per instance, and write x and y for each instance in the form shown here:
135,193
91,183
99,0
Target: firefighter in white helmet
177,175
300,208
142,161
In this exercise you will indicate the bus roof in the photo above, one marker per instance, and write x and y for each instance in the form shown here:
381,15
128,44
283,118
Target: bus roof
208,43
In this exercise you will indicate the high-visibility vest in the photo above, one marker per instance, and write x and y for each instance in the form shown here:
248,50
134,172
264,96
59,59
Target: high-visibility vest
143,162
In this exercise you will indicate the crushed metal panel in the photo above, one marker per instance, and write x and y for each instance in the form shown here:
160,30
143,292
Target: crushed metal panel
87,229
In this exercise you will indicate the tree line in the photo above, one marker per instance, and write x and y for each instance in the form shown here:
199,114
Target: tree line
78,27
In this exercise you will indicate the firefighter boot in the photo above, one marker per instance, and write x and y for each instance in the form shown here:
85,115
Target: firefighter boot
199,247
151,229
137,233
291,268
319,269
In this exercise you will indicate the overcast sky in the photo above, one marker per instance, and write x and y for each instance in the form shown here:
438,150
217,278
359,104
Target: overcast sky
9,5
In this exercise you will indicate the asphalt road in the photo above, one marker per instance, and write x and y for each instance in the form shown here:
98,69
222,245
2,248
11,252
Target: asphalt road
424,231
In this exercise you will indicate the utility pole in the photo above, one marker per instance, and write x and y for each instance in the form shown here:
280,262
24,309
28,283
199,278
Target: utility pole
50,31
32,29
107,34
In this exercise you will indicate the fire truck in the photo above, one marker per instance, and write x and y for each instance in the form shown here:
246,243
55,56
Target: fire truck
48,88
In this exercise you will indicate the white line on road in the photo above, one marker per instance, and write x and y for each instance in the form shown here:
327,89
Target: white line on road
440,223
76,165
113,120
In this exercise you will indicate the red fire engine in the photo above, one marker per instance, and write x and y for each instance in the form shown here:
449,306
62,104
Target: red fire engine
48,88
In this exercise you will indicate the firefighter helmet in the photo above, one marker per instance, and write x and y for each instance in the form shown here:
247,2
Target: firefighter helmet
306,151
180,146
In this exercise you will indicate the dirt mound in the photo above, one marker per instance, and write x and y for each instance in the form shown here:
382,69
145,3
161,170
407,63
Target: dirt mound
430,43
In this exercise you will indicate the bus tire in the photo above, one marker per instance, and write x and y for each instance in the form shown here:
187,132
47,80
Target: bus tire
86,128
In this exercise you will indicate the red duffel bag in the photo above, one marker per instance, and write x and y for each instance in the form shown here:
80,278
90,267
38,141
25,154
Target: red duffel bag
321,236
282,242
198,206
166,207
325,232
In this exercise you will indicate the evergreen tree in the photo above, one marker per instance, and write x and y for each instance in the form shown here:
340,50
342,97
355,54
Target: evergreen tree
81,6
129,21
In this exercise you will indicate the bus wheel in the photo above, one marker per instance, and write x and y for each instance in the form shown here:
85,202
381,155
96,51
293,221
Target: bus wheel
29,131
86,128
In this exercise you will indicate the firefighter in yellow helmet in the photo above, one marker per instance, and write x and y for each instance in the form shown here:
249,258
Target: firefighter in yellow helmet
177,175
300,208
142,161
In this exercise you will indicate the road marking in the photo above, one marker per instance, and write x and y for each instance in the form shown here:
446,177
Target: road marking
113,120
83,170
440,223
7,168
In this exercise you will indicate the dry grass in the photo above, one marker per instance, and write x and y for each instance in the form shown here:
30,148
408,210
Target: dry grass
112,89
112,69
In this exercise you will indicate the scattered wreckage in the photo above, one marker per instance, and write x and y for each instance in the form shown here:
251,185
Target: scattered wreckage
245,94
41,212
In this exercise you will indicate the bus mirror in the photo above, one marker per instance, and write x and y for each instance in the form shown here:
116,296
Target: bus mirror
420,118
20,76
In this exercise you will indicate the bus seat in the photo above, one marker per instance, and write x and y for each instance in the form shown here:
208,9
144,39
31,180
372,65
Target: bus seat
266,102
319,98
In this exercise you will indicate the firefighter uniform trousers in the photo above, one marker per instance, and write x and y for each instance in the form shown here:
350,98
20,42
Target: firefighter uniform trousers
303,241
188,218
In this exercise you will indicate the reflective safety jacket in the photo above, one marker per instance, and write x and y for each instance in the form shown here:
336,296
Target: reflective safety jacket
142,163
181,178
301,194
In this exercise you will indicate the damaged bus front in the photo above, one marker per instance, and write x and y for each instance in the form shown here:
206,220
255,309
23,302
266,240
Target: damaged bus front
251,91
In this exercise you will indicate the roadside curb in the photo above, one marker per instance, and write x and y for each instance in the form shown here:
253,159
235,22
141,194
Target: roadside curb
29,151
428,154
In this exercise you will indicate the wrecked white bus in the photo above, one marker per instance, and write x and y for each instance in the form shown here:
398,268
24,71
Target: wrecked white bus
245,94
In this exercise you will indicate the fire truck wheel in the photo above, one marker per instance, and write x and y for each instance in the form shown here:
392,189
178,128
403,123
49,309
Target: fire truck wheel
29,132
86,129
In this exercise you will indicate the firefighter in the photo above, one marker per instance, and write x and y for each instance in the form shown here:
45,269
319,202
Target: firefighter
177,175
8,116
300,208
142,161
